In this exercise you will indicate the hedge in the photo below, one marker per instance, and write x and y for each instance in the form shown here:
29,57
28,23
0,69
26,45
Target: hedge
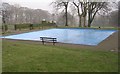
31,26
22,26
4,27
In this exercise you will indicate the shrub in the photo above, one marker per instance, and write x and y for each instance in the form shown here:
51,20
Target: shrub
4,27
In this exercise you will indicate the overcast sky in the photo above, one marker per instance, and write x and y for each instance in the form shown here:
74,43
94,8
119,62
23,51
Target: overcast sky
35,4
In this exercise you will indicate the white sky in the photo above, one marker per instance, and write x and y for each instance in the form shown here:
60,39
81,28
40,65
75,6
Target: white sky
34,4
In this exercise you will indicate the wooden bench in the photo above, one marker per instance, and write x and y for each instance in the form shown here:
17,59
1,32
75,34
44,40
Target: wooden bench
48,39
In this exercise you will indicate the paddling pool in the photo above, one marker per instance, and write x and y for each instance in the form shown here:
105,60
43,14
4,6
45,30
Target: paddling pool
67,35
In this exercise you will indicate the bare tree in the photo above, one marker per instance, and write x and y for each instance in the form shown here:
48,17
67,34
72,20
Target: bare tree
93,8
81,6
5,12
62,3
77,5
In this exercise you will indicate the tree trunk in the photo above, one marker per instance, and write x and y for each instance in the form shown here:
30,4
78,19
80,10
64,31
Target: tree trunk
66,16
89,18
79,21
85,14
84,21
79,17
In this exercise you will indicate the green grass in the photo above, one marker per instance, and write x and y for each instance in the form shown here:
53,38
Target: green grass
30,57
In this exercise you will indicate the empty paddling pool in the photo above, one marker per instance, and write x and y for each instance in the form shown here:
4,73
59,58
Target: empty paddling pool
67,35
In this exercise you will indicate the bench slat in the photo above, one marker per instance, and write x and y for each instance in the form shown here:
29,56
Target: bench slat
48,38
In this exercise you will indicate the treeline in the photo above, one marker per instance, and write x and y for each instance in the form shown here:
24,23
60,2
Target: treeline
15,14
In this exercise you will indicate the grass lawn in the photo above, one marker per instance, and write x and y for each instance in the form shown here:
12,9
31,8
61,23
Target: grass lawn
20,56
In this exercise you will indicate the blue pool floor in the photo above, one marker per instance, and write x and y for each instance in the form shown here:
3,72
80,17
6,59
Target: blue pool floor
72,36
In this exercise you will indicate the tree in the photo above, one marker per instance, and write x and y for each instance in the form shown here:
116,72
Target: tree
93,8
62,3
81,10
77,5
5,16
5,12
